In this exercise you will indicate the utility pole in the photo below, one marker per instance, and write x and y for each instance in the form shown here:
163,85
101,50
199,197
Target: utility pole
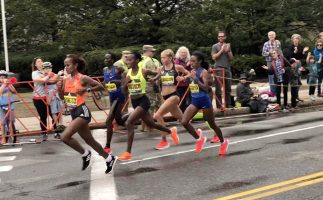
4,28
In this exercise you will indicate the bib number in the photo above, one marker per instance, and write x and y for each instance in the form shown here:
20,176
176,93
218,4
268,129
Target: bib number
71,101
134,88
194,88
111,87
167,80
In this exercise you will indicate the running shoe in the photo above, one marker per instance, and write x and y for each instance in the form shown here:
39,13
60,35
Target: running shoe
107,149
224,147
86,160
111,163
215,139
125,156
162,145
199,132
200,143
174,135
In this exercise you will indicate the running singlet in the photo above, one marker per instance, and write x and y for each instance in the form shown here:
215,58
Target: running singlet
138,83
168,77
72,99
110,76
196,91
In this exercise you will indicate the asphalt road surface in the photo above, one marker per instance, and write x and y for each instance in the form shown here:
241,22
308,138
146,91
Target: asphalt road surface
277,156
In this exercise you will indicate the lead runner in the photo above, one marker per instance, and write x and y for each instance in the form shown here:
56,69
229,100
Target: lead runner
73,89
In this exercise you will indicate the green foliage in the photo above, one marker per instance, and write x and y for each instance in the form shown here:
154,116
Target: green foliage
54,27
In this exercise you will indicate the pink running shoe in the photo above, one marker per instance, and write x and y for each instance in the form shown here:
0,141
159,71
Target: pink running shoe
224,147
174,135
200,143
162,145
215,139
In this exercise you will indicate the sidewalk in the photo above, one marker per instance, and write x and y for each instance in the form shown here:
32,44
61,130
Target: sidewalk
32,123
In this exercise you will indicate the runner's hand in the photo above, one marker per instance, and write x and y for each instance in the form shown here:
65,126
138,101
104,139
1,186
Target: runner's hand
180,78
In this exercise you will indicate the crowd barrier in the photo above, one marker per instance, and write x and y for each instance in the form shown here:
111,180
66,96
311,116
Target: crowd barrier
28,122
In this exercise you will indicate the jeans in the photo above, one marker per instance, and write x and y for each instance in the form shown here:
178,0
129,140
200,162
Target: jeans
319,80
278,91
272,85
294,95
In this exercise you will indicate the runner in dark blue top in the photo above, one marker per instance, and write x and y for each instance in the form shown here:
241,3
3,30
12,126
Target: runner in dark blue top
200,81
113,77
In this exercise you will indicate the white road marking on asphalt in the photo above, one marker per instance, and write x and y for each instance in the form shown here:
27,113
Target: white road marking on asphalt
231,143
15,150
7,158
102,185
5,168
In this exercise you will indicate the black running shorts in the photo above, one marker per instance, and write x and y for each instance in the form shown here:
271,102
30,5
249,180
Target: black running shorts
142,102
81,111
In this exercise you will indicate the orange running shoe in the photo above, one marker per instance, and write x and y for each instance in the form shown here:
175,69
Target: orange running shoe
162,145
215,139
125,156
200,143
107,149
174,135
224,147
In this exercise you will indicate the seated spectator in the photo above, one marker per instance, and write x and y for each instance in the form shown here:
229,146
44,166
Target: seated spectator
244,91
247,98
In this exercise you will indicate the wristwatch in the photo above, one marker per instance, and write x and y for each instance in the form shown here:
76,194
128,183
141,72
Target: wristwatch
88,90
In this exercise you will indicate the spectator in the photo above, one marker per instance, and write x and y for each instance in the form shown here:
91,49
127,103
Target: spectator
294,76
280,69
318,51
247,98
122,62
182,57
39,94
222,54
153,90
52,96
296,50
244,91
320,36
6,89
312,66
271,45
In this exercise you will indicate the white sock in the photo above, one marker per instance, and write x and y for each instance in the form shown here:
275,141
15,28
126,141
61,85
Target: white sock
85,153
109,158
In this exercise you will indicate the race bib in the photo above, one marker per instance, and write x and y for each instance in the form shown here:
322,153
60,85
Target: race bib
167,80
134,88
70,101
194,88
111,87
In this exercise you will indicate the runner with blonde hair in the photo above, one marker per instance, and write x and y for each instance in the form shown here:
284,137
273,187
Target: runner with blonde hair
169,77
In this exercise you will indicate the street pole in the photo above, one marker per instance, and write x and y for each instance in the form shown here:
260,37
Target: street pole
4,28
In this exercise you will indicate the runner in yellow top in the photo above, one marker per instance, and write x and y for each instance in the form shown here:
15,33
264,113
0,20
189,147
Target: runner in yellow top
136,84
73,89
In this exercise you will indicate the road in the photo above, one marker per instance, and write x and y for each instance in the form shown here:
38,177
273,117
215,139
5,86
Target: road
279,155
